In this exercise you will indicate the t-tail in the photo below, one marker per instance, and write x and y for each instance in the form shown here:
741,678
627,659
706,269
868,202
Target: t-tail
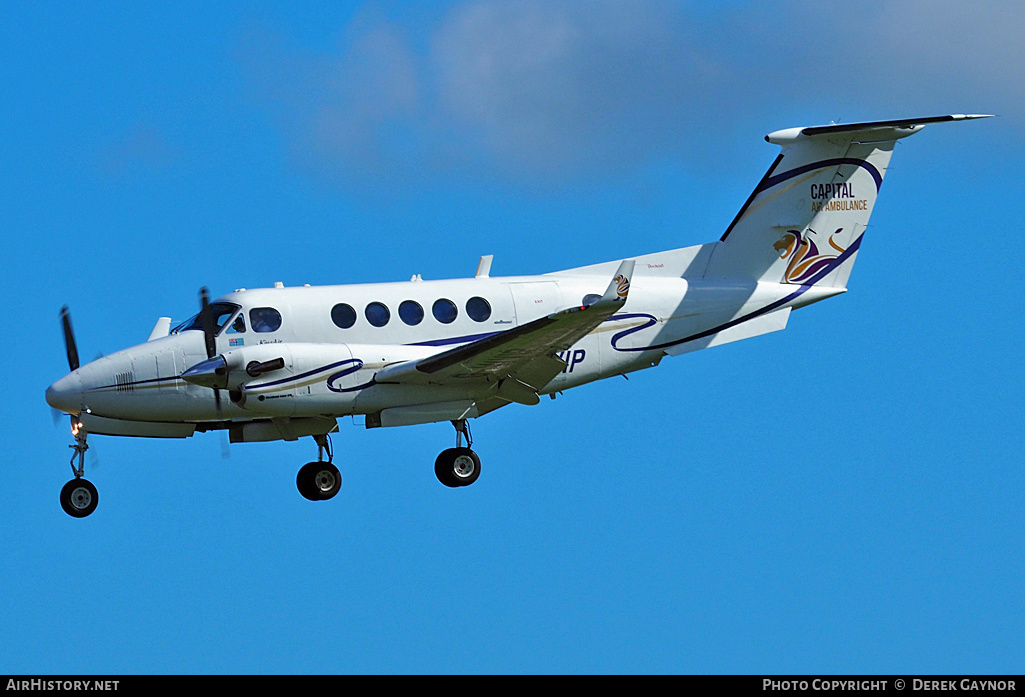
804,222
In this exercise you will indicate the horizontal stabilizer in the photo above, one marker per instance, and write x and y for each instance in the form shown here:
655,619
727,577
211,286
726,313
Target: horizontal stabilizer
867,131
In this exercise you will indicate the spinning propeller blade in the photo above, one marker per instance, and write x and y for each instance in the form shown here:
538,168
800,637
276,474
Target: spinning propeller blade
206,318
69,339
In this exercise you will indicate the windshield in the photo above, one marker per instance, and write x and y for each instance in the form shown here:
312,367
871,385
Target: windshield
221,313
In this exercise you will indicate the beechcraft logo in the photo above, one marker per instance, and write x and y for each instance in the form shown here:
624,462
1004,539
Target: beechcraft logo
805,258
622,285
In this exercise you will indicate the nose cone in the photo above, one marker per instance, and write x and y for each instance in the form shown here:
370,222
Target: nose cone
66,393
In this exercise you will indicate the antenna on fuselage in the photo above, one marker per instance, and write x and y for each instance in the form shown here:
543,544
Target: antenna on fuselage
484,266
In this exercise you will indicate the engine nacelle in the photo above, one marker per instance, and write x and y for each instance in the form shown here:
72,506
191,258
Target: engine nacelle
315,379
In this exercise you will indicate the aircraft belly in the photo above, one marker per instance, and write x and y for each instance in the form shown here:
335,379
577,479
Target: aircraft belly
141,429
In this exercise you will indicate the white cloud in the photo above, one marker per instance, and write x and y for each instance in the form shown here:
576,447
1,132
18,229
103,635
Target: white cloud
561,90
550,88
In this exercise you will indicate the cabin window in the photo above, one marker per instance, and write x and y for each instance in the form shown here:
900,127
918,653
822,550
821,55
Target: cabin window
264,319
590,299
478,308
377,314
444,311
343,316
411,313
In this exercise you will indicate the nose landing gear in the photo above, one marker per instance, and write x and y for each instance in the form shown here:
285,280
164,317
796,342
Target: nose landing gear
79,497
320,480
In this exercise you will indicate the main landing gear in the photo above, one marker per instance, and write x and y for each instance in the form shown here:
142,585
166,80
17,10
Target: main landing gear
320,480
458,466
455,467
79,496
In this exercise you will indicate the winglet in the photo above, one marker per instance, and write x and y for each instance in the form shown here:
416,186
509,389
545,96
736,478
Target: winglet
619,287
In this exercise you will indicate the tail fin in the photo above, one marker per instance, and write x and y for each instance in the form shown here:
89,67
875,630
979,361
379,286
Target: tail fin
804,221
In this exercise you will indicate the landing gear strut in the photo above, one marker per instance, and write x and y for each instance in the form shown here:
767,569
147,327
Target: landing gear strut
458,466
79,496
320,480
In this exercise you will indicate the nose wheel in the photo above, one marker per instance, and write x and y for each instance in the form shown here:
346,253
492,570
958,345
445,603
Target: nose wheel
320,480
79,497
458,466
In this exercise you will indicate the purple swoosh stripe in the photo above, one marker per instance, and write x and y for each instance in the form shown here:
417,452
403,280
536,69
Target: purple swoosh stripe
815,267
757,313
300,377
770,182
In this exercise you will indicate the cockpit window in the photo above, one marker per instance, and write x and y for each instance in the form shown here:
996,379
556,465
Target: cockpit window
239,325
221,313
264,319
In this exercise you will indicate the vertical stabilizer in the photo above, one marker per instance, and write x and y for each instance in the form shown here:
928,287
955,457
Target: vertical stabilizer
804,221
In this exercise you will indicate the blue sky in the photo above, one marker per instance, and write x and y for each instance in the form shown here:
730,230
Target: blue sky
843,496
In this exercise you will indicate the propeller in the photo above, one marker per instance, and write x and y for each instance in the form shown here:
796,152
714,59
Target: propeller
69,339
209,337
72,351
206,319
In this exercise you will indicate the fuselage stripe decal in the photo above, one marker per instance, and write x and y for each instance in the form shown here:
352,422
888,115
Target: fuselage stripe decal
801,290
298,377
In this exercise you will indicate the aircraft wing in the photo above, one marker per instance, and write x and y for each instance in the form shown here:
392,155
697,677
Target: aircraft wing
521,360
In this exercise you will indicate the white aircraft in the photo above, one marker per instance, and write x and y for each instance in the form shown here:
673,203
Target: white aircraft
284,363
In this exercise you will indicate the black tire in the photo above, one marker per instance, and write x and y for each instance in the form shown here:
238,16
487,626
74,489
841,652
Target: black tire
79,498
457,467
318,481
